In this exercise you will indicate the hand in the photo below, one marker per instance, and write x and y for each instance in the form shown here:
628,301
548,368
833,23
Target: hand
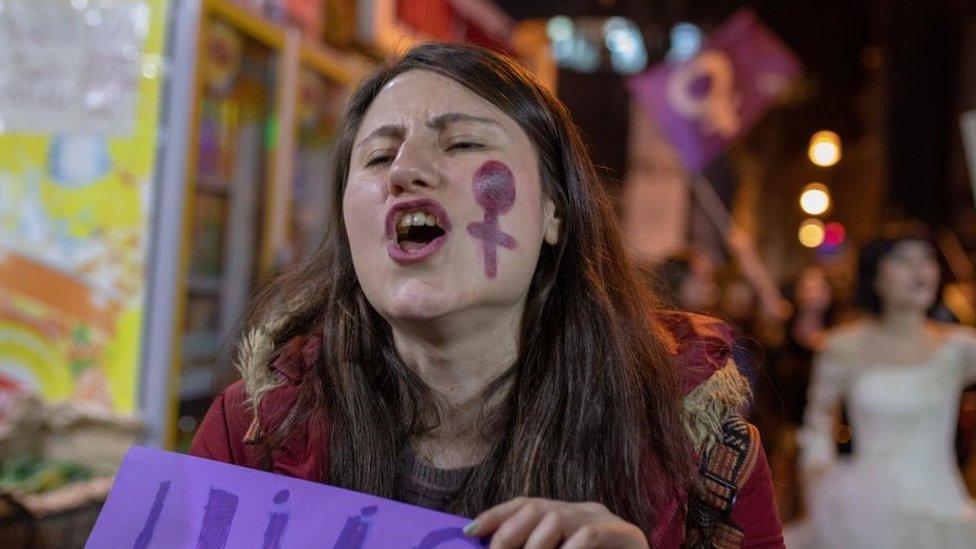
536,523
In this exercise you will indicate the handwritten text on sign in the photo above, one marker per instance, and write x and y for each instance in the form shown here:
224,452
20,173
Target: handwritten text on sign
164,499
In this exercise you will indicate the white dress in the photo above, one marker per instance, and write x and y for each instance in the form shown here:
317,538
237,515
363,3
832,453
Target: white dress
901,488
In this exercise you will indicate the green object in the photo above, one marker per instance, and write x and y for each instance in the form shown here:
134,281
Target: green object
27,475
271,133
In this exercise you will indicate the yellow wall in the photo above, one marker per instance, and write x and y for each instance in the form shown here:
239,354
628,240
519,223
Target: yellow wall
73,256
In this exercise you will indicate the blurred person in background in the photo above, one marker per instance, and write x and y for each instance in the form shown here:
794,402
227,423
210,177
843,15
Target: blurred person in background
738,304
686,281
901,375
814,311
781,400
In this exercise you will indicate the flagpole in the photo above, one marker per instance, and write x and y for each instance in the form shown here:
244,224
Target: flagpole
741,245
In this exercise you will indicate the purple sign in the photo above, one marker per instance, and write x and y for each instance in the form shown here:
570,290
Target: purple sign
169,500
704,103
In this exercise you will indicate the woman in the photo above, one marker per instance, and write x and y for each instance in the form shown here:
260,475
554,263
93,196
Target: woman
470,337
901,376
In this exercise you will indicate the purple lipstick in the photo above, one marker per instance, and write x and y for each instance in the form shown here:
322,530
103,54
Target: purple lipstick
416,229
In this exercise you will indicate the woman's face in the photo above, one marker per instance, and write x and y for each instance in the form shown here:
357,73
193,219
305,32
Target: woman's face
908,276
443,205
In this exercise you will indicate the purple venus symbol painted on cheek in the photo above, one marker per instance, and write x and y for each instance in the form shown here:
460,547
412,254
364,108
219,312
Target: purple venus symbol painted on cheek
494,191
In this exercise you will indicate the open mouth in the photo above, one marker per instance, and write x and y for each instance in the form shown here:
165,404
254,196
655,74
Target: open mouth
416,229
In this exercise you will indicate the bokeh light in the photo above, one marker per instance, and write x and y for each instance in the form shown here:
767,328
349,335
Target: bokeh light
686,42
825,148
559,28
834,233
811,233
815,199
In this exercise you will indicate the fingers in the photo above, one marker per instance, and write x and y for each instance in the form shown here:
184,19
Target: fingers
584,538
595,508
609,535
518,527
548,533
541,524
489,521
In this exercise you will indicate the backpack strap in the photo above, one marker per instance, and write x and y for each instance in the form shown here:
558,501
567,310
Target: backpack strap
724,468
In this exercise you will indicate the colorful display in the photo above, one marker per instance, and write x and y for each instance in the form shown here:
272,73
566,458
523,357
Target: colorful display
79,110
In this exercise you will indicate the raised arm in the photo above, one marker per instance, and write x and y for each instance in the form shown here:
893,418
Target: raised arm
818,450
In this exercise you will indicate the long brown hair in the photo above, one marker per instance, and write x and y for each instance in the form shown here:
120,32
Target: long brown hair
592,405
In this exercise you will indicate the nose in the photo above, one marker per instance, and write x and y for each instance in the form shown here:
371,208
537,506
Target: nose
413,169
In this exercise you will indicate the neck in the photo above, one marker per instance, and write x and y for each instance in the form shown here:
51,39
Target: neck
902,321
460,355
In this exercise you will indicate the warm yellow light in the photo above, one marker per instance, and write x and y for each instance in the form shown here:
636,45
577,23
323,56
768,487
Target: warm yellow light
824,148
815,199
811,233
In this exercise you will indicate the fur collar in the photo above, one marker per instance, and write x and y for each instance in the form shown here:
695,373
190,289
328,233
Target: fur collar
701,347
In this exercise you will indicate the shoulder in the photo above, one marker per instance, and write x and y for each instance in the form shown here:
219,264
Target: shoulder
731,503
754,515
962,340
235,428
964,335
699,346
845,344
734,468
222,433
714,389
846,337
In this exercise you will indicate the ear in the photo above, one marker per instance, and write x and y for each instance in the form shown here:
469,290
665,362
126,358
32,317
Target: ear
552,223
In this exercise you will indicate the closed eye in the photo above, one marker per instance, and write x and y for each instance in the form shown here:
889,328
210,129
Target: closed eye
379,160
464,146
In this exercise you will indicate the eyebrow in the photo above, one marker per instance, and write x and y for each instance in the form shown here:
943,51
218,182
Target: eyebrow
438,123
389,130
441,121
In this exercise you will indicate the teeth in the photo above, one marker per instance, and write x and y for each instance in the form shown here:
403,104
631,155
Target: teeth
416,219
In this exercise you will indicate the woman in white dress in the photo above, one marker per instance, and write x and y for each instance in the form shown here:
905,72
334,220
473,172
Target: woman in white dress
901,376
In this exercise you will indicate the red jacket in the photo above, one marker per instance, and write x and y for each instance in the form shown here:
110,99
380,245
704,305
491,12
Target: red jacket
701,347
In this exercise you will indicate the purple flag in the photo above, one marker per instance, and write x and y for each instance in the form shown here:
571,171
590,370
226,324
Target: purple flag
169,500
704,103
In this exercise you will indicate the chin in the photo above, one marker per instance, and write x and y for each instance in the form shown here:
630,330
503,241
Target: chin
417,303
414,312
919,303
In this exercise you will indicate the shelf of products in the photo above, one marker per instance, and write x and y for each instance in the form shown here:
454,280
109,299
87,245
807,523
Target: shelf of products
320,104
236,117
258,199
